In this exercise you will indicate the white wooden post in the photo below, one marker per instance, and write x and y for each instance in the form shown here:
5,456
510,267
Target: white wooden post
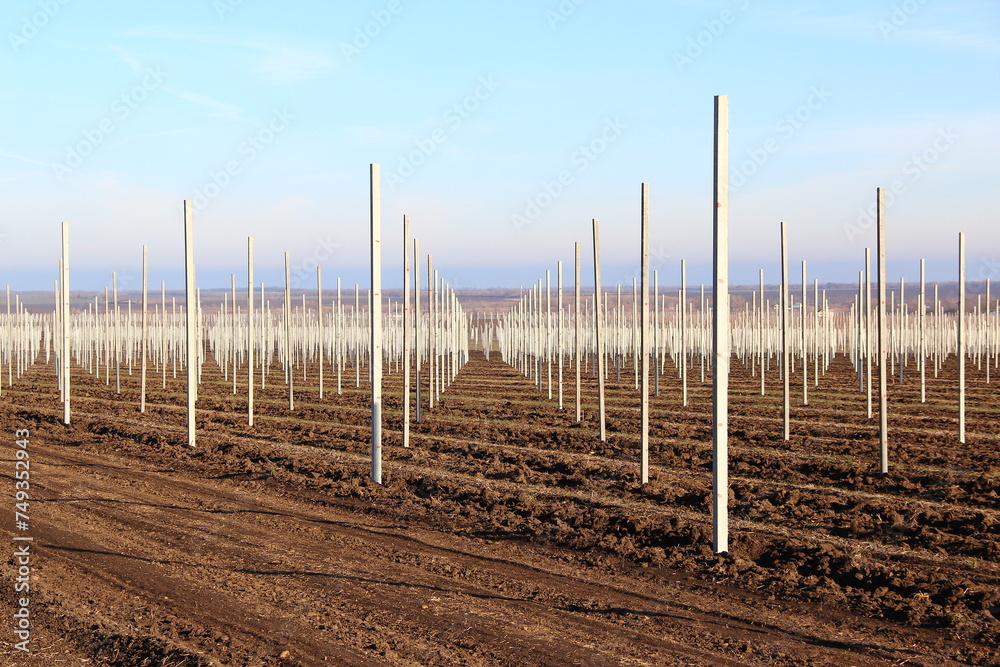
250,331
375,314
682,306
191,325
883,338
785,366
599,328
923,336
406,331
145,332
805,358
868,328
577,322
644,335
559,328
65,321
319,324
288,356
764,322
416,324
961,337
720,331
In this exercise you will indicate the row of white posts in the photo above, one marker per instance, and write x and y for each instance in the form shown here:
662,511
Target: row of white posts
531,336
432,343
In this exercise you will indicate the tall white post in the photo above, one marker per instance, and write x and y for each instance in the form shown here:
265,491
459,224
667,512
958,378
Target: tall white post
802,339
644,336
375,313
559,327
250,331
577,322
287,361
883,337
868,328
923,336
785,365
763,319
961,337
319,323
406,331
682,305
431,329
64,288
720,332
416,323
191,326
599,328
145,332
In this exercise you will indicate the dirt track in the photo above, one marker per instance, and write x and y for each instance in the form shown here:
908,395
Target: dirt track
508,534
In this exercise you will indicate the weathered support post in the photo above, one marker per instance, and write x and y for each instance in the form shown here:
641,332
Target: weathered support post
288,357
375,313
599,329
868,329
961,337
406,331
802,339
684,334
250,331
784,332
923,336
416,323
644,336
65,321
883,338
319,324
577,322
720,331
559,327
145,331
191,324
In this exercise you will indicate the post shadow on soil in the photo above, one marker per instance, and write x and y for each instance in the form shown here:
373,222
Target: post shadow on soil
762,628
136,503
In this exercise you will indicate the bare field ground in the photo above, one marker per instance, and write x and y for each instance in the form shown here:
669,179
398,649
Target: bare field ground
508,534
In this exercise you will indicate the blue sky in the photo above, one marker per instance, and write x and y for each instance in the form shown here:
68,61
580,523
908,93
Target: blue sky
502,128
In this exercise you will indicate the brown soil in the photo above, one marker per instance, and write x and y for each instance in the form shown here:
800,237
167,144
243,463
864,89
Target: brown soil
508,534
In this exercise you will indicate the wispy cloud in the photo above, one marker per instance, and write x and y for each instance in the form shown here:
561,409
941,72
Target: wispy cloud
214,106
20,177
24,159
167,133
952,39
275,63
955,26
